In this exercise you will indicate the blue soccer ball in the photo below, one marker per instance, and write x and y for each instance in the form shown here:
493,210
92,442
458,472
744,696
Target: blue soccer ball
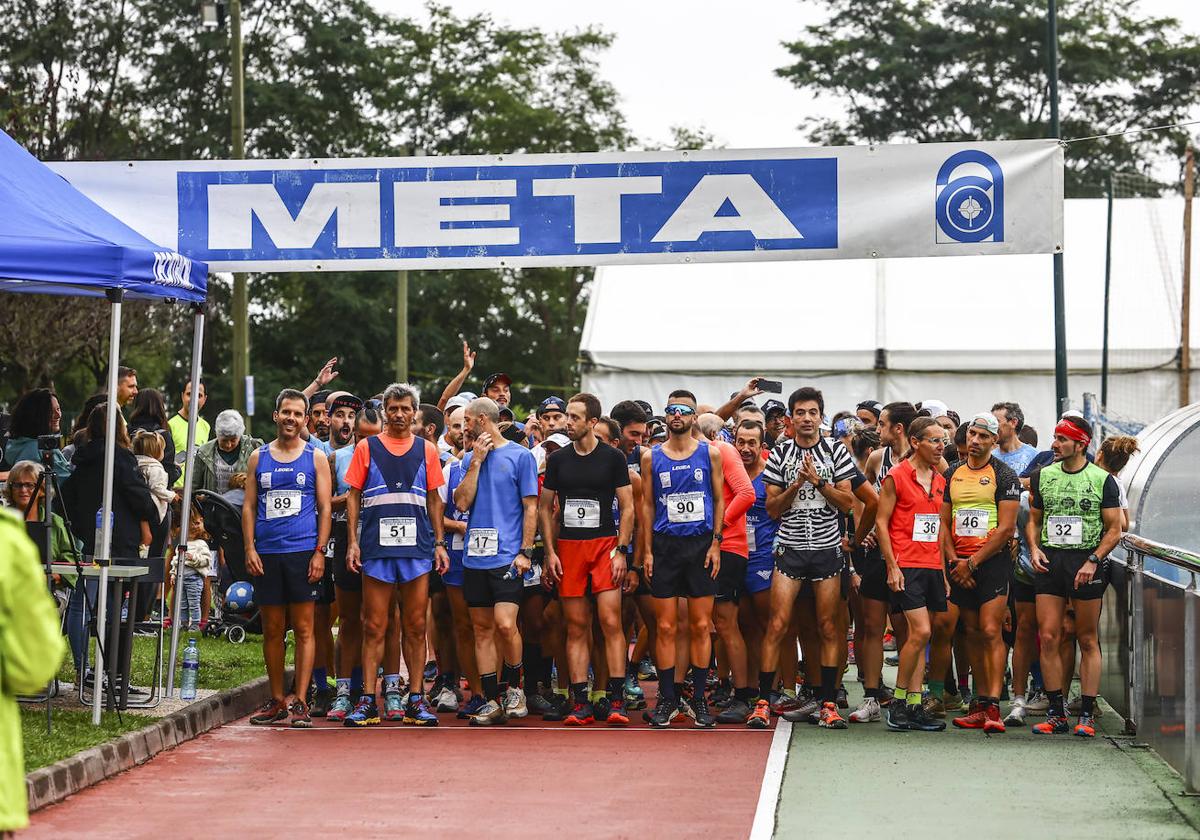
239,597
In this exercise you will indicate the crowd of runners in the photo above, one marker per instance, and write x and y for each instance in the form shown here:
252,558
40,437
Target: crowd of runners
739,557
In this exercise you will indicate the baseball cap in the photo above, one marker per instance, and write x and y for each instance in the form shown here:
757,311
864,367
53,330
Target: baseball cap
506,413
873,406
936,408
343,399
463,398
645,406
552,404
987,421
772,406
559,439
497,377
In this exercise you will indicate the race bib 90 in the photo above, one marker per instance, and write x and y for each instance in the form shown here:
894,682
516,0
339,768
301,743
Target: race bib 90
281,503
926,527
685,507
1065,530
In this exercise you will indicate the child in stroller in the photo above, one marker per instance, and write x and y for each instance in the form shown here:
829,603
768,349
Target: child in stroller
223,521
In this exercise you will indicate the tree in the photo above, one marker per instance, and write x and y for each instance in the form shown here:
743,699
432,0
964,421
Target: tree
952,70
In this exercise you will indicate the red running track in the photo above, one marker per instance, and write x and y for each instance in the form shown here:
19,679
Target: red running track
529,778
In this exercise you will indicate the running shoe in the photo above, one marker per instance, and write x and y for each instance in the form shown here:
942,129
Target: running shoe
935,707
490,714
952,703
993,725
664,712
702,718
340,708
886,695
416,713
582,714
1086,728
897,717
322,701
867,711
1052,725
829,718
445,700
760,718
560,705
1016,713
514,703
974,720
850,658
635,698
273,711
919,719
1075,707
720,697
393,706
472,707
783,703
843,699
685,708
616,713
889,642
735,712
537,701
365,713
600,707
891,661
298,716
431,670
804,712
1037,703
646,670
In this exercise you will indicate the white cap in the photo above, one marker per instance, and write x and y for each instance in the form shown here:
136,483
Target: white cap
559,439
462,398
936,408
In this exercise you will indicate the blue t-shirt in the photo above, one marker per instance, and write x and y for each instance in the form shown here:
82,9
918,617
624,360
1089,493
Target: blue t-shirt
287,509
496,521
1018,459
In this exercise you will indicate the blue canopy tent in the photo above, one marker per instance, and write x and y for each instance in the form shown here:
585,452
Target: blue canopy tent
56,240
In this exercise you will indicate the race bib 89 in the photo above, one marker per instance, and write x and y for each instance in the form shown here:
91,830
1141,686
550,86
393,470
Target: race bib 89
281,503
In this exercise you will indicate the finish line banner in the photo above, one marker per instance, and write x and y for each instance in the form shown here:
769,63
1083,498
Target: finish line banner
490,211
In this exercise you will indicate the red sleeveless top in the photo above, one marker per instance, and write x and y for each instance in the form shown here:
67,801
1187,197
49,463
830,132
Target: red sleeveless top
916,519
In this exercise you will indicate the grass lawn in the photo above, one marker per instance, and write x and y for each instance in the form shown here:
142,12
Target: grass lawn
72,732
222,664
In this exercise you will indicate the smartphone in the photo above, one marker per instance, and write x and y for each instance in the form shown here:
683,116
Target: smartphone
770,386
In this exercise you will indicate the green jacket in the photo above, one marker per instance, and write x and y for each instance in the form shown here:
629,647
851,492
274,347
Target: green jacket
206,477
31,648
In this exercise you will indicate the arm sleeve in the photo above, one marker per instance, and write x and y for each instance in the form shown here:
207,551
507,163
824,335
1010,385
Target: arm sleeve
31,642
843,464
1111,497
527,474
739,481
773,471
1008,485
550,476
433,467
1035,490
620,470
356,473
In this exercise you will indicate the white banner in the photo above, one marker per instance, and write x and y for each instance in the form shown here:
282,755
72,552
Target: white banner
488,211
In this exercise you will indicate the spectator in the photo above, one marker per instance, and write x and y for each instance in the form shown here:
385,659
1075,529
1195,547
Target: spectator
31,648
178,423
37,413
150,414
1028,435
148,449
197,557
18,493
127,385
218,460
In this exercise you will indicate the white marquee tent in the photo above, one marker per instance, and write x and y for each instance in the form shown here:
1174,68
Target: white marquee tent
969,331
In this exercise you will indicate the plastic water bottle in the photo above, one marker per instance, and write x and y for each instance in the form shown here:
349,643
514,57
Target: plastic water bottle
191,670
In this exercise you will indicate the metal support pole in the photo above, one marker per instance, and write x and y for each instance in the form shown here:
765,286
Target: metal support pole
1191,761
1060,306
401,326
102,550
241,293
1185,315
1137,640
185,518
1107,284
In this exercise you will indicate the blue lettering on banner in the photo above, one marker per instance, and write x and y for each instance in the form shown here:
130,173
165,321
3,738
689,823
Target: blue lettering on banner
542,210
969,207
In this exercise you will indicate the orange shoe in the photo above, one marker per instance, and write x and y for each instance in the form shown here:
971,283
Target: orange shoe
974,720
830,719
1052,725
760,718
616,713
1086,728
992,724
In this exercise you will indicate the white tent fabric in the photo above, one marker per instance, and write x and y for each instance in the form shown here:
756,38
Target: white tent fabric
970,331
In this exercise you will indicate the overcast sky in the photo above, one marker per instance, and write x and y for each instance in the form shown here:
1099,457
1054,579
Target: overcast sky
700,65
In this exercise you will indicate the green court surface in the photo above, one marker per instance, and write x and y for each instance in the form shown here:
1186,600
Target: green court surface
868,781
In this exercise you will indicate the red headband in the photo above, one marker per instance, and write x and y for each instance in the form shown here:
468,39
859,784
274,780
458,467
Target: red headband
1070,430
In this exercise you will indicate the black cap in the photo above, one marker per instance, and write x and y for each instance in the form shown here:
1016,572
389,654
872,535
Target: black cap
772,406
506,410
873,406
344,400
497,377
552,404
645,406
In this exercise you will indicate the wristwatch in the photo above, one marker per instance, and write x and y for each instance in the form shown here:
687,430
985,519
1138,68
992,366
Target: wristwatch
1092,558
528,552
625,549
441,544
720,538
321,548
821,483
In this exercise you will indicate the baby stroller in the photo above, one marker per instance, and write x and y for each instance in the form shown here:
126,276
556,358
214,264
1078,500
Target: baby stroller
223,521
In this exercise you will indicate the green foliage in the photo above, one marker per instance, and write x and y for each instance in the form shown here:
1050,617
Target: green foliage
952,70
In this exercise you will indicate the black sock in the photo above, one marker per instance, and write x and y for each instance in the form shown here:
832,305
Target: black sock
666,684
1056,703
871,693
491,686
616,687
511,674
766,683
699,680
579,692
727,684
829,678
531,652
1087,704
745,694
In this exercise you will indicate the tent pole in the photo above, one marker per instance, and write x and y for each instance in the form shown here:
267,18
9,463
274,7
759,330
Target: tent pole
185,510
102,550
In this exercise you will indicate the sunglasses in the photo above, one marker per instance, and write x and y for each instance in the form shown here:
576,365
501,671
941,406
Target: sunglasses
675,408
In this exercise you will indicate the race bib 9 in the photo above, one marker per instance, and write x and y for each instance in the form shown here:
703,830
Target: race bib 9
685,507
926,527
483,542
971,522
398,530
1065,530
581,513
281,503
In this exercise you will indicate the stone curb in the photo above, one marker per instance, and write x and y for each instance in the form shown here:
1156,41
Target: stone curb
55,782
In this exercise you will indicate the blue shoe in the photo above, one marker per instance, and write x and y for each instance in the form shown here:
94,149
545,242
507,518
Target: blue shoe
472,708
393,706
635,698
416,713
431,670
365,713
